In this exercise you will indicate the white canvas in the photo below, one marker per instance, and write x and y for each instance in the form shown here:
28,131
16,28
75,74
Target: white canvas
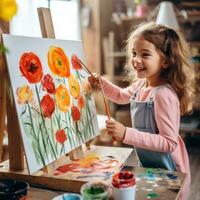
53,99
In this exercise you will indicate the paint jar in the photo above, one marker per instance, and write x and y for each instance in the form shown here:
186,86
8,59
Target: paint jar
13,189
68,196
95,191
123,186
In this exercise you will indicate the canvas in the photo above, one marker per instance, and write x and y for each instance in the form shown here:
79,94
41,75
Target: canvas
99,163
55,108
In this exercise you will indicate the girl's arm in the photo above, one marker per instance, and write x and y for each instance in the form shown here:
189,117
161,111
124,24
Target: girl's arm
167,114
117,94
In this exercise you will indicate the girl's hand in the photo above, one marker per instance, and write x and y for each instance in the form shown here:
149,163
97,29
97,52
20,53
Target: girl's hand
115,129
94,81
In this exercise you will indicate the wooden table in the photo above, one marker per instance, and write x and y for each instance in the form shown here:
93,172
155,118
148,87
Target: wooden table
154,183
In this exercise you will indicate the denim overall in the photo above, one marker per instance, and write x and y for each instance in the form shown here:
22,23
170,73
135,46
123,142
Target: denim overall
143,119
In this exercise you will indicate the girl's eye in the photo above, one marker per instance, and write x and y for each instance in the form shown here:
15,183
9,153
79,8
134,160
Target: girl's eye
133,54
146,54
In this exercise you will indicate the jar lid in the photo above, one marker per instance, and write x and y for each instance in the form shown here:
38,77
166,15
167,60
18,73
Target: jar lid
123,179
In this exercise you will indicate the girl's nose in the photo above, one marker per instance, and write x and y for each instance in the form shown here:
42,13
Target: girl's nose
138,60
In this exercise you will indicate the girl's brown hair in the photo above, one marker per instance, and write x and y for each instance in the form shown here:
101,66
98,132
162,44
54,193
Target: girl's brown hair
172,46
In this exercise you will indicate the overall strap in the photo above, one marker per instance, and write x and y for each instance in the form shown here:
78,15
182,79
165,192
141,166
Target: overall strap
138,89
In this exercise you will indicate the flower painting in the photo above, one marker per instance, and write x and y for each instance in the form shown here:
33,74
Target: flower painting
56,111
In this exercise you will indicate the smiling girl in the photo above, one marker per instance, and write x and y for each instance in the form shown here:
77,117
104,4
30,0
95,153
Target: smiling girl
161,93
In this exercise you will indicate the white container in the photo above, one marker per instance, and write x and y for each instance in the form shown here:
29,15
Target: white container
124,193
123,186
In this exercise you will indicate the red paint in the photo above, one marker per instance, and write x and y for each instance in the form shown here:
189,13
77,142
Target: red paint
61,136
123,179
76,115
75,62
31,67
48,84
93,166
47,105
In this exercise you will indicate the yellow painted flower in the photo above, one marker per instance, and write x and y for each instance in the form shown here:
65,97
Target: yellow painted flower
74,86
58,62
24,94
62,98
8,8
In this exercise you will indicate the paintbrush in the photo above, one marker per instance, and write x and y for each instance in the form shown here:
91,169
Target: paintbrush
85,67
104,99
100,81
101,87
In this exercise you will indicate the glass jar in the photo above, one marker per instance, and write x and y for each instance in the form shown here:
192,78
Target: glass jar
94,191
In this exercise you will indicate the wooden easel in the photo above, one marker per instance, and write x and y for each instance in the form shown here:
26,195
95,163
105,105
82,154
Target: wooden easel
15,168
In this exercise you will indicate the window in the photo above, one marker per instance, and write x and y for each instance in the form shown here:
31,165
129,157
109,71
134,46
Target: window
65,16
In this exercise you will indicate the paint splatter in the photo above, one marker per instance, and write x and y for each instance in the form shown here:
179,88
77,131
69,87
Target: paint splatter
149,170
151,177
172,176
152,195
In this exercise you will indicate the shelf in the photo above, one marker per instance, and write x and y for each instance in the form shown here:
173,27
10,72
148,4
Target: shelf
190,16
195,44
117,54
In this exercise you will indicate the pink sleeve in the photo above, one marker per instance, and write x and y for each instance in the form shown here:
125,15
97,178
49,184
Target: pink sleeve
167,114
117,94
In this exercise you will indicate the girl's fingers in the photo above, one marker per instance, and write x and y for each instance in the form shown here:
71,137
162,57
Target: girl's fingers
110,122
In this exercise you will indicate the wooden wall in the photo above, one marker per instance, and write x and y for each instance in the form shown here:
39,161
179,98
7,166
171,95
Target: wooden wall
101,11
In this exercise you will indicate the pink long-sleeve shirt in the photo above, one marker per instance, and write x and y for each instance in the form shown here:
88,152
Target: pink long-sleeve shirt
167,115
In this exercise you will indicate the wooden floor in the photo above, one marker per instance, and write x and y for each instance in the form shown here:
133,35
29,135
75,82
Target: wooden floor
193,147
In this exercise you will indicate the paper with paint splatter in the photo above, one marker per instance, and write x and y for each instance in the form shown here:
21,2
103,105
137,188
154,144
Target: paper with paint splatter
53,98
98,163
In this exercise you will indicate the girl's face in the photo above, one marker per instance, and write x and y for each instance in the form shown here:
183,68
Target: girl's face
147,61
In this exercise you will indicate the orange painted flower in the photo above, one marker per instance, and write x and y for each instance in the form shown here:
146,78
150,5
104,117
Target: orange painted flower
74,86
62,98
76,115
24,94
58,62
47,105
89,160
31,67
61,136
75,62
48,84
81,102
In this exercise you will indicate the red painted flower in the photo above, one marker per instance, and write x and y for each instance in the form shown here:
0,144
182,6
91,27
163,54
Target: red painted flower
61,136
81,102
31,67
75,62
48,84
75,113
48,105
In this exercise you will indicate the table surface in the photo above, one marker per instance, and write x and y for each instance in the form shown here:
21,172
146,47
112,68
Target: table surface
150,183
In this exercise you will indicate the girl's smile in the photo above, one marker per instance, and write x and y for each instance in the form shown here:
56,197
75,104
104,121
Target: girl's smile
147,61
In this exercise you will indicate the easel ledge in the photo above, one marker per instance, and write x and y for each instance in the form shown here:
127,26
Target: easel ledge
15,168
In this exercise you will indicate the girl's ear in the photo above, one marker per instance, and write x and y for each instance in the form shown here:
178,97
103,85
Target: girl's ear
164,64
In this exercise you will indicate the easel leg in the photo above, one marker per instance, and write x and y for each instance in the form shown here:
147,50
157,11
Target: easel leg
2,104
